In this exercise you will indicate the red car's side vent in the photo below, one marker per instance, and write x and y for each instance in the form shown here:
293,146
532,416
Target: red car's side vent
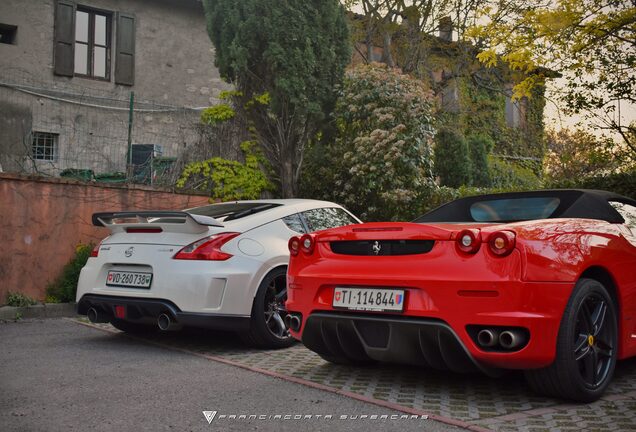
382,247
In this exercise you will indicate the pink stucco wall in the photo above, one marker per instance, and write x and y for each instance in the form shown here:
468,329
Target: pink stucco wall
42,221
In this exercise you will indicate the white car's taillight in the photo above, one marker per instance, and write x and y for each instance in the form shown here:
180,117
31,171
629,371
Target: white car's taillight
208,248
95,251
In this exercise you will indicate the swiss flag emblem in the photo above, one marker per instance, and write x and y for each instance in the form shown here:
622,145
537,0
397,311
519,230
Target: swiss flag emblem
337,296
110,277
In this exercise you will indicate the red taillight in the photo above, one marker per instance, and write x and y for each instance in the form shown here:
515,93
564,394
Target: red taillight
469,241
208,248
307,244
294,246
502,243
95,251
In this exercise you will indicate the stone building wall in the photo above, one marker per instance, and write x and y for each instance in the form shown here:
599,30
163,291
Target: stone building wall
174,78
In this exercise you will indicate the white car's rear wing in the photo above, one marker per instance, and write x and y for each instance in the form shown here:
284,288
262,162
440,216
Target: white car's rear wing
169,221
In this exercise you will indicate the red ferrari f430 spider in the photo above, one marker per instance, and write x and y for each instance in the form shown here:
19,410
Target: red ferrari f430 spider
542,281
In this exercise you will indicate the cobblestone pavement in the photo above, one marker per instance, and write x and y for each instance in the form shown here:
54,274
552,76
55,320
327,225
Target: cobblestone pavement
503,404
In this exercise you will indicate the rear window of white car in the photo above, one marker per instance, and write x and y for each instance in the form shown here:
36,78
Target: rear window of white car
232,211
325,218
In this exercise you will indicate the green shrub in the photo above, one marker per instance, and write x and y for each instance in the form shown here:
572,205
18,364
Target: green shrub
380,161
217,114
452,158
51,299
620,183
480,146
509,175
65,286
17,299
228,180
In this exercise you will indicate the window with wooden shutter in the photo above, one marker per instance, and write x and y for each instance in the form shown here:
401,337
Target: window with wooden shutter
64,50
125,55
83,43
92,43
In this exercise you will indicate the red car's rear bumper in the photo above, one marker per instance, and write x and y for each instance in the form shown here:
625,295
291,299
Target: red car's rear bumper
442,301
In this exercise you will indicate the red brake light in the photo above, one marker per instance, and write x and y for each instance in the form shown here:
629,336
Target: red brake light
208,248
502,243
294,246
95,251
469,241
307,244
143,230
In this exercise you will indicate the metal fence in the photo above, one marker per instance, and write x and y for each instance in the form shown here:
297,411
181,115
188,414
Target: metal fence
59,128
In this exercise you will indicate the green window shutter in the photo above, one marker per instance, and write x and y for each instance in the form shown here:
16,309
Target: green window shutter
125,54
64,48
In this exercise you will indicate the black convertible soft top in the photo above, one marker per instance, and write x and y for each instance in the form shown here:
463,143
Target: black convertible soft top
542,204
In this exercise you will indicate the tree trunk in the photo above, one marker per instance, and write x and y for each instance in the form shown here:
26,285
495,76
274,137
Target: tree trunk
287,182
387,57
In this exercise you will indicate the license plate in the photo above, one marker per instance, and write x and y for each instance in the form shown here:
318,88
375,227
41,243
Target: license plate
369,299
128,279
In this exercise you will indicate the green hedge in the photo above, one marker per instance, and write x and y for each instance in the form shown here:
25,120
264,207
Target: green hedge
63,289
620,183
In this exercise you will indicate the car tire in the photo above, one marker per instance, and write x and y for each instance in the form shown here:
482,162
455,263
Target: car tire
132,328
587,347
263,332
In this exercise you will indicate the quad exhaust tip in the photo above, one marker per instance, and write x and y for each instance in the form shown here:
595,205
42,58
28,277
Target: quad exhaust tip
292,322
488,338
510,339
166,323
95,317
499,339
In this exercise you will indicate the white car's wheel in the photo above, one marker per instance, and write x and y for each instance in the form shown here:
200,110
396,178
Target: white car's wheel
267,326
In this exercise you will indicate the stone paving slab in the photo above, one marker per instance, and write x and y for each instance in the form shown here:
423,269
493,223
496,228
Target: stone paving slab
502,404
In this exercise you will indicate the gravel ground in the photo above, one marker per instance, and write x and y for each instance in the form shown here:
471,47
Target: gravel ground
56,375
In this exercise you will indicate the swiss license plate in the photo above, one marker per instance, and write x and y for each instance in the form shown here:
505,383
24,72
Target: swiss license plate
369,299
128,279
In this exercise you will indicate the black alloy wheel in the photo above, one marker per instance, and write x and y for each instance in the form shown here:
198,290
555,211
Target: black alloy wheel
267,325
587,347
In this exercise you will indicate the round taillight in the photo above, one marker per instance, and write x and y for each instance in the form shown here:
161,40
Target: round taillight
469,241
307,243
502,243
294,246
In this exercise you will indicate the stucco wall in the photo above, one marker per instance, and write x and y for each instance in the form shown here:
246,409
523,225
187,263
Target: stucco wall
41,222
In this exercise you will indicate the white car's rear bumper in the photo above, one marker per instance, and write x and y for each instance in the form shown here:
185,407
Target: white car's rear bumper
199,287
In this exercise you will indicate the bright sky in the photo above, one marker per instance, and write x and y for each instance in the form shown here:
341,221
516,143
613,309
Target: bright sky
557,119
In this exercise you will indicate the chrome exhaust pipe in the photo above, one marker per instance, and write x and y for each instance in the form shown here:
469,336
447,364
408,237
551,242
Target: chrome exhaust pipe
95,317
511,339
294,323
165,323
287,320
488,338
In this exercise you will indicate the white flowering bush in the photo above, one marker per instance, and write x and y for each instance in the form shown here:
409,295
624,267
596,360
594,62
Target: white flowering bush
380,162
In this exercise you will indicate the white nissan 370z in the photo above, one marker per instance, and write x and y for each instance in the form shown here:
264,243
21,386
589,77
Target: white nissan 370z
221,266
